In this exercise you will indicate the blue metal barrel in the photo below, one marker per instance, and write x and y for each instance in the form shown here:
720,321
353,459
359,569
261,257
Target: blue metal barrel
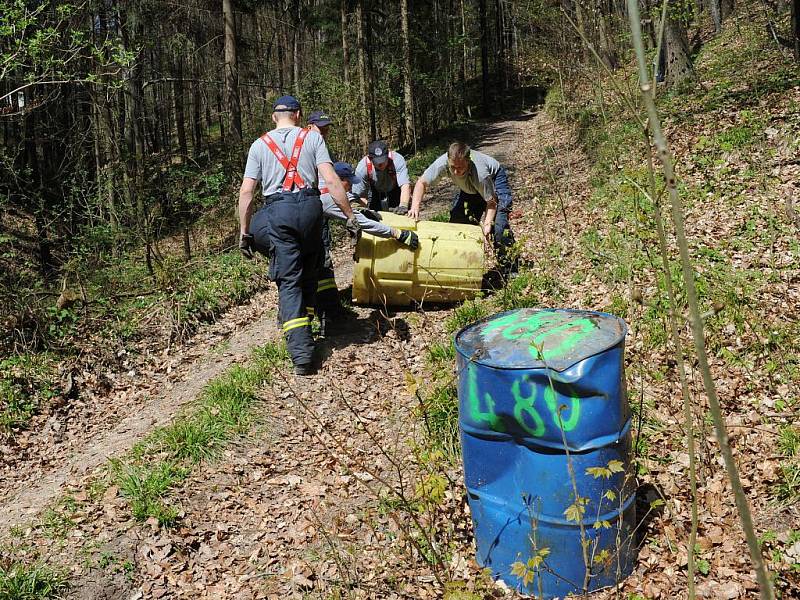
545,434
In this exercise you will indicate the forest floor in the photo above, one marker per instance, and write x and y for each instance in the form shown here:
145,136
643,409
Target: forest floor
332,489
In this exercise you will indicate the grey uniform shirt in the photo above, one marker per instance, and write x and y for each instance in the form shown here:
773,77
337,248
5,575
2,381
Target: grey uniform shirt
479,178
265,167
382,181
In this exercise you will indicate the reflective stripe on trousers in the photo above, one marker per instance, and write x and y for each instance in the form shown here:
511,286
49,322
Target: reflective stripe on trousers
292,223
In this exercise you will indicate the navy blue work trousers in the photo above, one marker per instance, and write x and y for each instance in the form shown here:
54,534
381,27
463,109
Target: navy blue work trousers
327,292
468,208
290,225
376,198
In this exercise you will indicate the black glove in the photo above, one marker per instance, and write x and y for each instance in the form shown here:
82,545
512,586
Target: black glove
408,238
246,245
353,226
399,210
372,215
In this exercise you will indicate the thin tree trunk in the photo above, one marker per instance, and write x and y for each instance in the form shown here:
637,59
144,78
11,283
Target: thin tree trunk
762,574
346,63
296,50
345,46
796,28
373,121
232,104
197,130
362,72
408,107
716,14
580,21
607,50
502,75
37,187
180,114
187,246
484,56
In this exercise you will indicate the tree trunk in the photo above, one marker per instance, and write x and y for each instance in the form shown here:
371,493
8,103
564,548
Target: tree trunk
37,188
726,8
368,34
296,49
345,45
580,22
408,107
362,72
607,50
484,25
715,7
232,105
679,65
346,65
197,130
187,245
180,114
502,73
796,28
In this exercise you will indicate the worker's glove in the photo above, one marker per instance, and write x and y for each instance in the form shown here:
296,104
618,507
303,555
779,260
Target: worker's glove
353,226
372,215
246,245
408,238
399,210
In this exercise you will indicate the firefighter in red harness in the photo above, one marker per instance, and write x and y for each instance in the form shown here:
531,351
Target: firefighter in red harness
287,161
382,180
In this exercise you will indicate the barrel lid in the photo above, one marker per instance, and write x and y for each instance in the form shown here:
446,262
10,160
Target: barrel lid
528,338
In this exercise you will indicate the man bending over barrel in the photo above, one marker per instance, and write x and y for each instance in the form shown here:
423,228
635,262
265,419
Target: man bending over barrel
483,197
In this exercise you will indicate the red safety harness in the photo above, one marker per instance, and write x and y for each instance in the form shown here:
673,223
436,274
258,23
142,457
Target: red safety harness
292,178
392,172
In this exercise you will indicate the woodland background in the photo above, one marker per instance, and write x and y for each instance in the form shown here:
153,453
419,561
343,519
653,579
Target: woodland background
123,132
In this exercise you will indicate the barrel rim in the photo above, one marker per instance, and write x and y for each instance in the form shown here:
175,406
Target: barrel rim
539,364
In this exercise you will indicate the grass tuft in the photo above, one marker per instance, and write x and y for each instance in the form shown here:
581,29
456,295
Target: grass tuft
441,415
30,582
165,458
145,487
789,445
469,312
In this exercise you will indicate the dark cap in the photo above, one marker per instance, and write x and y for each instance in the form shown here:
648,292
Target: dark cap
344,171
286,104
378,152
319,118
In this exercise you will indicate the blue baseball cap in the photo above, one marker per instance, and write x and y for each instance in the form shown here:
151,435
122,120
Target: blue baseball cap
345,171
319,118
286,104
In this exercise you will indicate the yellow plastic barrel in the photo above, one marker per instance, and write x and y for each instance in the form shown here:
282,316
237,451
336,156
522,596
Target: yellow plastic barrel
448,266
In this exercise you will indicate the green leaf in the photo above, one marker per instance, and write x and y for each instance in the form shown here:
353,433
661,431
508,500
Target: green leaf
703,566
616,466
518,569
601,556
575,511
598,472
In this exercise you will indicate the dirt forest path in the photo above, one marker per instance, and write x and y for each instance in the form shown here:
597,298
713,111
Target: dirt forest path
301,506
134,408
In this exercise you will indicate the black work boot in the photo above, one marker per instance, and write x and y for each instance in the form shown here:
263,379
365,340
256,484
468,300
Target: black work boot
304,370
